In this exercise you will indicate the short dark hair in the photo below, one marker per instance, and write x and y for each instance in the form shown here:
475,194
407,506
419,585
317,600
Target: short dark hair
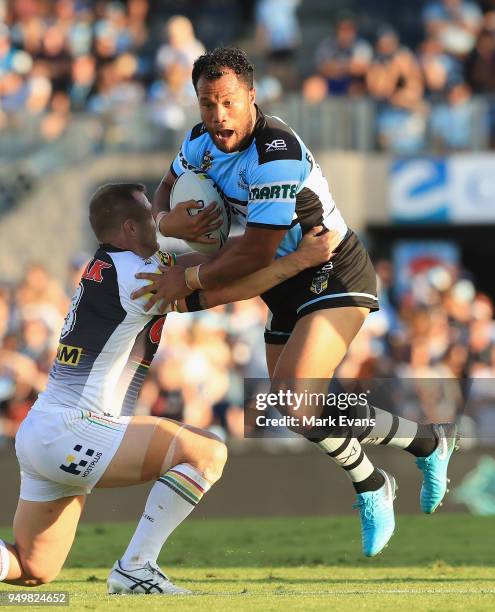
111,205
212,65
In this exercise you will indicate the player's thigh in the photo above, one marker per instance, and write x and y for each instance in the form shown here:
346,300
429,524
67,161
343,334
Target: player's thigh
152,445
273,352
319,342
44,533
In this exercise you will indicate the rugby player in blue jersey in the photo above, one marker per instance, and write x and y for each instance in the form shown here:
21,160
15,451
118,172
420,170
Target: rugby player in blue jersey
275,188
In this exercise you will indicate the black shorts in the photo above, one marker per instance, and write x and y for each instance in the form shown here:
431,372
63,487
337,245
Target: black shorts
348,279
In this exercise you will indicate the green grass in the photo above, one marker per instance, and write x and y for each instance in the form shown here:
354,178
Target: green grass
437,563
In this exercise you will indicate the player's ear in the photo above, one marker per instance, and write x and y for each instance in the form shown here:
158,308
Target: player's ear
252,95
129,227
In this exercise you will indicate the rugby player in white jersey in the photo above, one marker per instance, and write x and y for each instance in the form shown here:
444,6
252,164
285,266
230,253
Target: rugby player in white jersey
277,191
75,437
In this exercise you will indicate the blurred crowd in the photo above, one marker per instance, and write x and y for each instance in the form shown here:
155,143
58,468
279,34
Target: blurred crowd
435,343
113,59
421,93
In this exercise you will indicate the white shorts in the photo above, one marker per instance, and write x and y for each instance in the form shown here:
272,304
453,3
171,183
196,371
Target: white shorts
65,453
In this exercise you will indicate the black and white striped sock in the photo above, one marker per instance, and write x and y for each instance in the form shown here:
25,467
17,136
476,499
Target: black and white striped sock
349,454
392,430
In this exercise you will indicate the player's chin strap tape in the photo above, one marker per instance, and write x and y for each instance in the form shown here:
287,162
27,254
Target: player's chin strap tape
192,302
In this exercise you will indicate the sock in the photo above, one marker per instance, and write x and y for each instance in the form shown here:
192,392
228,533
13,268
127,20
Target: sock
348,453
172,498
4,561
392,430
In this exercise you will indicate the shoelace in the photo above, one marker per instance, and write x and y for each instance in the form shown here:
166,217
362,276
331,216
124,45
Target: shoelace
157,571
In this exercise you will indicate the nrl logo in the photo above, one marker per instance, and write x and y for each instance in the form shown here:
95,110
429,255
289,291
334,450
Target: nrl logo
207,162
320,279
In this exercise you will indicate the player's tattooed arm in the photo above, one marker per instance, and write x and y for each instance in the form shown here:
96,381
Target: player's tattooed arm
312,251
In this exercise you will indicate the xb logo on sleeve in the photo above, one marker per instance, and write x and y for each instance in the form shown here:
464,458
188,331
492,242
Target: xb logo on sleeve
73,467
276,145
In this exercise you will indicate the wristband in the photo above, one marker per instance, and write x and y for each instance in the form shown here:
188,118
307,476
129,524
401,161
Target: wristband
193,302
159,217
191,278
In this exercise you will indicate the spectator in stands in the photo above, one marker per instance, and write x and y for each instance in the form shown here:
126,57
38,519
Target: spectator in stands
56,121
105,43
480,64
394,81
452,122
182,45
438,69
39,95
83,76
137,12
315,89
455,23
54,59
172,95
277,26
343,60
278,38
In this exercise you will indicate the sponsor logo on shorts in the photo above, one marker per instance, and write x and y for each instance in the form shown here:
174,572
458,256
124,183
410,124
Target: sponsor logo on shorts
282,192
69,355
73,467
320,279
275,145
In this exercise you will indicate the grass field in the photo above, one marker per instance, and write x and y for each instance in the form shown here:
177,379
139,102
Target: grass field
438,563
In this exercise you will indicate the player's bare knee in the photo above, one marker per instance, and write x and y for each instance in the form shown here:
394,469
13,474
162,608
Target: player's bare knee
36,574
212,460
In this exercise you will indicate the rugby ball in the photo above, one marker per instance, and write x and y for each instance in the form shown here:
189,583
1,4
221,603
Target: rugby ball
196,185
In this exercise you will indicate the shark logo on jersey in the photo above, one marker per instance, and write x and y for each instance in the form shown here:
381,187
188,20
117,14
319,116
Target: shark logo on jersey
320,279
70,319
207,161
276,145
243,182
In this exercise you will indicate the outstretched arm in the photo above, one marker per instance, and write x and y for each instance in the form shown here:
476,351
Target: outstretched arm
312,251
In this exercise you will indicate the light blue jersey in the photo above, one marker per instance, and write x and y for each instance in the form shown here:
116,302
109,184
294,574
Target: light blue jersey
273,182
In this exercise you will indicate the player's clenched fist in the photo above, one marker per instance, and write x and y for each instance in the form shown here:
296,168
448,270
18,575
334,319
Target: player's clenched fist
315,248
180,223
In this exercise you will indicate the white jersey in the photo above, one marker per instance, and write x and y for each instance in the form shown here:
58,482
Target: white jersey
108,340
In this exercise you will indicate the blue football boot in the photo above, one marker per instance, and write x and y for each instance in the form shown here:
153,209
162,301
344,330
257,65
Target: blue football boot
376,510
434,468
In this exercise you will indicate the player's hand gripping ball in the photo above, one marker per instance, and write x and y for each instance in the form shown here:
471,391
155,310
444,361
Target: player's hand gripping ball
196,185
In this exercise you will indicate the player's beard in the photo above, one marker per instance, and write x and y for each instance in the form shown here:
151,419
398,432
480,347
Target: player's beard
236,142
